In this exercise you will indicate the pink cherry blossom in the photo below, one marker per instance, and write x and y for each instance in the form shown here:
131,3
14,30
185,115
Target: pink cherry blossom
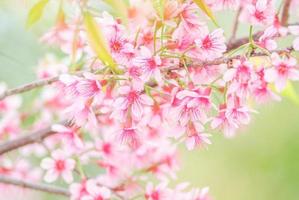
211,46
131,102
149,64
130,137
226,124
58,165
196,137
267,39
283,69
78,190
259,12
224,4
96,192
159,192
70,135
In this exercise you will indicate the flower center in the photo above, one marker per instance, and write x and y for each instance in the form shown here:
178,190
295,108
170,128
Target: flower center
99,198
116,46
282,69
151,64
132,96
60,165
207,43
106,148
155,195
259,15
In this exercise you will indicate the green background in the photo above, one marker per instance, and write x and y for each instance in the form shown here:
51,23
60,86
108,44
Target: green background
260,163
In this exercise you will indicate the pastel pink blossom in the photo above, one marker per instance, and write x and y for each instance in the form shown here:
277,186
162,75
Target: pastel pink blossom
211,46
267,39
78,190
131,102
225,123
149,64
58,165
196,137
224,4
96,192
70,135
159,192
130,137
283,69
259,12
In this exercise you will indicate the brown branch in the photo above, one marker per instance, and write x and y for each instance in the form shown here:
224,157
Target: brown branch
236,43
224,60
236,25
38,83
34,137
285,12
35,186
29,86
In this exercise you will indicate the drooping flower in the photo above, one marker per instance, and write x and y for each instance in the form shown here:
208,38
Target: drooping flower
131,101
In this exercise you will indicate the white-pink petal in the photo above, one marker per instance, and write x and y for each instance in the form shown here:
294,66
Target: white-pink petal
47,163
51,176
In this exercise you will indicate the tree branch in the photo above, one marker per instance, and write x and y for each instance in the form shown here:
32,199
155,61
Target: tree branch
285,12
29,86
35,84
35,186
34,137
235,26
236,43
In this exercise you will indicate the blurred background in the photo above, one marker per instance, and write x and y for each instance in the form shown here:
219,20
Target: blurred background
260,163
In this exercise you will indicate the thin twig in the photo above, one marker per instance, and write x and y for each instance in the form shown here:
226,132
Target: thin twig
31,138
236,25
29,86
285,12
36,84
35,186
235,44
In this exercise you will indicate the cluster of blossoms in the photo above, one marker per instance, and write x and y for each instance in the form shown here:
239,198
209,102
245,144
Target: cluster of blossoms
133,88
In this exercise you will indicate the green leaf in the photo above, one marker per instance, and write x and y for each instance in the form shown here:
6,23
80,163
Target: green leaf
159,7
291,93
36,12
98,42
120,8
205,8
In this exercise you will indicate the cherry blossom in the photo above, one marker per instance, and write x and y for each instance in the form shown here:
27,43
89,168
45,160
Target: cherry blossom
58,165
282,70
96,192
212,45
131,101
